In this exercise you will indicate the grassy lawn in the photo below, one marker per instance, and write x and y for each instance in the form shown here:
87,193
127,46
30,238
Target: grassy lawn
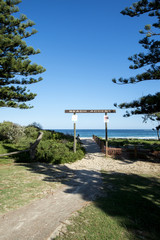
19,186
130,211
22,181
146,144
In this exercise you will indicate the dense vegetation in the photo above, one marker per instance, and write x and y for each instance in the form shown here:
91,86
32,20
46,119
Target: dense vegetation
148,61
55,148
16,69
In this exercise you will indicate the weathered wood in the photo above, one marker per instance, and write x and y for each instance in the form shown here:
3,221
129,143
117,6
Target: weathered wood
106,137
74,111
74,145
91,111
110,150
32,148
13,153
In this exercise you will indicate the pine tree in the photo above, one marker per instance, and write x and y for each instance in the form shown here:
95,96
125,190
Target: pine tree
149,104
16,69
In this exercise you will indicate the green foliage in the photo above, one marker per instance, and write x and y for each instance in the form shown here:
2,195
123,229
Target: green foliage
57,136
31,132
36,125
149,104
145,105
55,147
14,57
61,136
146,144
54,152
47,135
11,132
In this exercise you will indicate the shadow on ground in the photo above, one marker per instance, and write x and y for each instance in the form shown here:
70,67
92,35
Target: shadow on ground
134,200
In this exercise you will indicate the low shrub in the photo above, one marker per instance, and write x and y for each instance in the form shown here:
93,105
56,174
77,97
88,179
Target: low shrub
61,136
11,132
47,135
31,132
56,153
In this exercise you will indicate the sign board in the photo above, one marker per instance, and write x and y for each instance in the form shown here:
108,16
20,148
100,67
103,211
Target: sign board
91,111
106,119
74,118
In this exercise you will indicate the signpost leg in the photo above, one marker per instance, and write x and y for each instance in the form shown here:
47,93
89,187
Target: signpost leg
74,147
106,137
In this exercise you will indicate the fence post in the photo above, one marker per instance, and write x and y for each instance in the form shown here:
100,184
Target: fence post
135,151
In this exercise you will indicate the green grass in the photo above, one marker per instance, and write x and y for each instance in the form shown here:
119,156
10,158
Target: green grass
19,186
146,144
130,211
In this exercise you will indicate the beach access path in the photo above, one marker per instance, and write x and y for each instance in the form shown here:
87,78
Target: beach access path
81,183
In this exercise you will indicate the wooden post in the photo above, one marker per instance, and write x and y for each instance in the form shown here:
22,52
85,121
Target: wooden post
106,137
74,147
135,151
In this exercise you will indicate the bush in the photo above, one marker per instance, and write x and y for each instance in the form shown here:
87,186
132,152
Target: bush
57,136
47,135
36,125
31,132
11,132
56,153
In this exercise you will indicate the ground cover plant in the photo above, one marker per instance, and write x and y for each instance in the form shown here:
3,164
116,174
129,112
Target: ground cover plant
130,210
143,143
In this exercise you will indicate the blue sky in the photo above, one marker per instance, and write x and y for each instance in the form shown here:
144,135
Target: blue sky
84,45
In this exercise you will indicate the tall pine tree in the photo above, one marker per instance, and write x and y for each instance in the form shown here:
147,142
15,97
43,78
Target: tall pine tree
16,69
149,104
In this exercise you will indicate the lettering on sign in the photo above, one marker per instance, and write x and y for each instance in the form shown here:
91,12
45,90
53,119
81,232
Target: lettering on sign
91,111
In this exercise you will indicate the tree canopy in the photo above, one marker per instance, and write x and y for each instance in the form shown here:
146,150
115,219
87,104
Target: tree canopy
148,61
16,69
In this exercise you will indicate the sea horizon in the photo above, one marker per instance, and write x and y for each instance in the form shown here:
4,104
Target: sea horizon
112,133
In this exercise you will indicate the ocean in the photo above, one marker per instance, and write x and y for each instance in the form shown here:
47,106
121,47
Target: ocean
112,133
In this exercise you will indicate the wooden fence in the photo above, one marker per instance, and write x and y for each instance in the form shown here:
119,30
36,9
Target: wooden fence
111,151
130,151
31,150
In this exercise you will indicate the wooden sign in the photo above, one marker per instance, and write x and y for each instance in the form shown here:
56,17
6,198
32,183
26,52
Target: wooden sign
91,111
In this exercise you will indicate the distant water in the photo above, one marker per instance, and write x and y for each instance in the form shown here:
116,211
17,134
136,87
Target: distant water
112,133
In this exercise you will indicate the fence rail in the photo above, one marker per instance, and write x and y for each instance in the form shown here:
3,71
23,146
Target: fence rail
111,151
31,150
133,151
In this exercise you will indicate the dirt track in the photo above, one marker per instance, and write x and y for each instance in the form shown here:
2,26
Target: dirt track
81,183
